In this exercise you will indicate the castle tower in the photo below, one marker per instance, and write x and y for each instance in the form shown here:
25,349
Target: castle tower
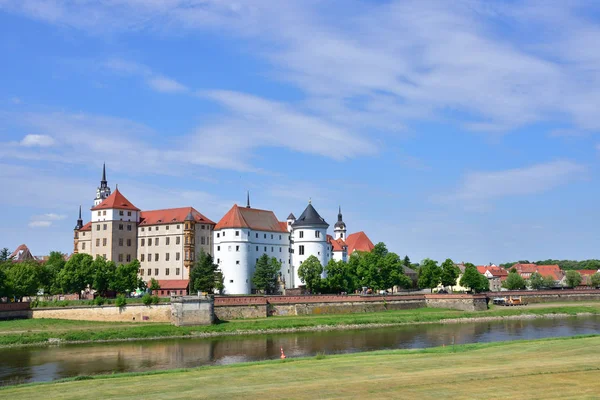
340,227
290,220
76,233
103,191
189,240
309,233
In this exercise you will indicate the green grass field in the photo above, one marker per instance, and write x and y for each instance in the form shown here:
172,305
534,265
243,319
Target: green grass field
21,332
543,369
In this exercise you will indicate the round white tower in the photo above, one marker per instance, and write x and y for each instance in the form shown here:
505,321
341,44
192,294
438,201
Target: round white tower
309,233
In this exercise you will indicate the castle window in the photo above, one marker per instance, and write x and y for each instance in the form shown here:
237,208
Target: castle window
265,235
257,235
167,271
104,227
156,257
237,262
256,248
149,271
265,249
218,260
218,235
142,242
177,226
83,246
301,250
128,258
237,233
156,241
218,248
223,234
187,240
83,233
120,227
168,241
156,228
104,242
271,236
177,256
142,257
120,241
129,213
121,212
228,248
167,227
97,242
141,271
318,253
167,256
99,213
187,226
231,281
128,242
142,229
279,237
149,241
176,271
272,249
202,240
280,249
342,235
120,257
178,240
98,227
301,234
129,227
149,257
155,271
317,234
237,248
202,227
104,212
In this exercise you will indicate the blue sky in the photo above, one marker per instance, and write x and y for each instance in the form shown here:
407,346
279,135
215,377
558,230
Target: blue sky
463,129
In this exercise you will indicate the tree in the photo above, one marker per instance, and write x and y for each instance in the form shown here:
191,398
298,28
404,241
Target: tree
430,274
104,275
549,282
126,278
50,270
23,279
514,281
339,277
76,274
154,285
204,276
266,274
406,262
595,280
4,254
310,273
573,278
450,273
4,288
536,281
473,280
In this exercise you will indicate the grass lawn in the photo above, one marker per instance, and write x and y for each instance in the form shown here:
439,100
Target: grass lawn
40,330
543,369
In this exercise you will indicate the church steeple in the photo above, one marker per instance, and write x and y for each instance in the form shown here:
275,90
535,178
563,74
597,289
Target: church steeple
79,221
103,190
248,199
340,226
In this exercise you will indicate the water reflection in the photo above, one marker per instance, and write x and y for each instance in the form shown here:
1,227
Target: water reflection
49,363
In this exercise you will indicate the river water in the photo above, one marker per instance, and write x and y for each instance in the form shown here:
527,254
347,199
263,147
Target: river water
34,364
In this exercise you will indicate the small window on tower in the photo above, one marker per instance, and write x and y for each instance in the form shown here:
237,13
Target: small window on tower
317,234
301,250
301,234
129,213
237,262
121,212
237,248
99,213
237,233
104,212
98,227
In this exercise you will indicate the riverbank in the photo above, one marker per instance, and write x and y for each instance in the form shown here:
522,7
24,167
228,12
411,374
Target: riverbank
46,332
547,368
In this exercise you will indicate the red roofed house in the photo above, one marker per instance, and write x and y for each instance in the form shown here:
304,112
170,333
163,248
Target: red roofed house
496,276
164,241
586,276
525,270
21,253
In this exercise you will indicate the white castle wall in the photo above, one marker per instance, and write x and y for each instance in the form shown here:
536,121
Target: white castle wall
313,245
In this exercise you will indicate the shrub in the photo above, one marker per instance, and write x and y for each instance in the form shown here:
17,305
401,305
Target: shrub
120,301
99,300
147,299
155,299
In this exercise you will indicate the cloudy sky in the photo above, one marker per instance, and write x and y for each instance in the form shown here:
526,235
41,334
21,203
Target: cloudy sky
463,129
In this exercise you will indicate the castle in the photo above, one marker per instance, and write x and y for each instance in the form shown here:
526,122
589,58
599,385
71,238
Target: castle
166,241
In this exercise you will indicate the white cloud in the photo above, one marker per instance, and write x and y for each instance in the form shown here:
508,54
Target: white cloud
45,220
37,141
166,85
479,188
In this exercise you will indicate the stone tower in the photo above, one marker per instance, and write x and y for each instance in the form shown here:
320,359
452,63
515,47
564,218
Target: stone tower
76,233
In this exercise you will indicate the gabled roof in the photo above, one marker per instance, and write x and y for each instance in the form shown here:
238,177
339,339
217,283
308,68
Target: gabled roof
283,225
116,200
22,253
172,215
253,218
359,241
336,244
86,227
310,217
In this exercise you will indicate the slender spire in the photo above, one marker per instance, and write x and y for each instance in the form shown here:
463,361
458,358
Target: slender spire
79,220
80,211
340,214
248,199
103,172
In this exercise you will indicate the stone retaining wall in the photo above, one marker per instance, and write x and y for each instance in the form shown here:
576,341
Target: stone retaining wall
15,310
462,302
241,311
549,296
129,313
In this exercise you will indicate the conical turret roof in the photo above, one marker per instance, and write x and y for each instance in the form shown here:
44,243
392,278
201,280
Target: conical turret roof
310,217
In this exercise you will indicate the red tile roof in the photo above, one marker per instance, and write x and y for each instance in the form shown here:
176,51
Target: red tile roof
21,253
359,241
283,225
497,272
587,272
116,200
336,244
525,270
253,218
172,284
86,227
171,215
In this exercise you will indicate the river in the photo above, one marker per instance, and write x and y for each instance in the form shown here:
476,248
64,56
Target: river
35,364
